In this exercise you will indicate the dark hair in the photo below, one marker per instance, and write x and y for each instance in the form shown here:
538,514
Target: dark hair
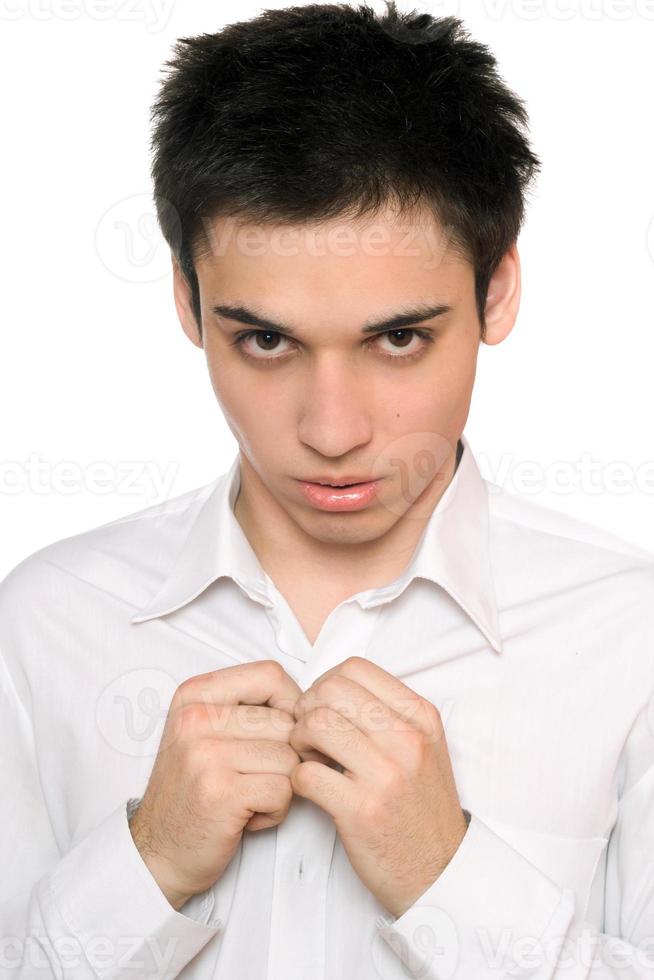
312,112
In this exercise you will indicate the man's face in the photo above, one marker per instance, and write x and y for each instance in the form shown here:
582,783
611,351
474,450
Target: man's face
331,400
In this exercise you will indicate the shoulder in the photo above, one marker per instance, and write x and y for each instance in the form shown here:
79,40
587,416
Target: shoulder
120,557
538,550
535,521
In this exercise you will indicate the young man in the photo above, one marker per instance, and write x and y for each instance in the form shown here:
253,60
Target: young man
350,710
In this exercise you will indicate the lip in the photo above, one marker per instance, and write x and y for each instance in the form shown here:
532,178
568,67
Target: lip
339,479
340,499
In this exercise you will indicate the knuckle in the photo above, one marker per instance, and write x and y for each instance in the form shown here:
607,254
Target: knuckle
319,719
183,692
289,757
272,668
388,784
195,712
283,791
329,686
192,720
413,739
194,688
430,711
414,747
431,721
282,721
294,737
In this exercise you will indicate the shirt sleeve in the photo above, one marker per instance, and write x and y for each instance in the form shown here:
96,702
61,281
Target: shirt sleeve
491,913
94,912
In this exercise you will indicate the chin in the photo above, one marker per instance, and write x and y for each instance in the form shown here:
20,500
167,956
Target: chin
357,527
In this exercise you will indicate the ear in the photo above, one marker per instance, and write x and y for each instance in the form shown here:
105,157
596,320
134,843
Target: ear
182,294
503,297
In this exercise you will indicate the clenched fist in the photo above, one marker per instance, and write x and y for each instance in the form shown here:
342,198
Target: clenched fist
223,766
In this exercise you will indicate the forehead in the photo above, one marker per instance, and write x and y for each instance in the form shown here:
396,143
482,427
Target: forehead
365,250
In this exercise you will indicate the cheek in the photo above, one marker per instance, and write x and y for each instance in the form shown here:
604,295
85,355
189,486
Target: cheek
426,403
258,415
435,405
231,391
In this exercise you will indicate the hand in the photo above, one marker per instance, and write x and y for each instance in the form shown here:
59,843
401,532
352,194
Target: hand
223,766
395,804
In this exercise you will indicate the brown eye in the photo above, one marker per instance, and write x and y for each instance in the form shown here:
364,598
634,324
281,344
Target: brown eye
403,336
267,341
400,340
264,339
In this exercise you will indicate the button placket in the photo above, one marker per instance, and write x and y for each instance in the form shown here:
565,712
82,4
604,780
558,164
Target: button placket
305,839
303,857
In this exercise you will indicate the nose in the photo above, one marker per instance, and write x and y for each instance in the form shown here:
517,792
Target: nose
335,415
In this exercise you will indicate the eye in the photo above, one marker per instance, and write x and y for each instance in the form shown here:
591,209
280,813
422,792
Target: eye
401,339
267,342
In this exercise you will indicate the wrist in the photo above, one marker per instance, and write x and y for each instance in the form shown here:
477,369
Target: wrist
153,862
161,875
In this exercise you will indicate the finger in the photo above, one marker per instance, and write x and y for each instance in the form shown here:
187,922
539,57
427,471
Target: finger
313,755
263,682
354,702
378,724
327,788
334,735
248,721
415,710
245,756
262,794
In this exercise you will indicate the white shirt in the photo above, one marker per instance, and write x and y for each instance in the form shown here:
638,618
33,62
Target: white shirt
532,632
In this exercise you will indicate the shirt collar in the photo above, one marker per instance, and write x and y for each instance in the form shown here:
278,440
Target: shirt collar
452,552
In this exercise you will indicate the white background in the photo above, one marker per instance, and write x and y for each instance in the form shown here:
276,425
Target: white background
94,366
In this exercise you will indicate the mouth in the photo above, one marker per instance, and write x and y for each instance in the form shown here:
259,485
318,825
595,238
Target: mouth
337,486
349,481
340,496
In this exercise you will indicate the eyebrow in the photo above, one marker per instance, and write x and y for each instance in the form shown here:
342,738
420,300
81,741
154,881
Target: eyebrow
403,318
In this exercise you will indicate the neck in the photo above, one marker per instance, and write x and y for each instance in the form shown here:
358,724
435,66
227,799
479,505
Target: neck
288,552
